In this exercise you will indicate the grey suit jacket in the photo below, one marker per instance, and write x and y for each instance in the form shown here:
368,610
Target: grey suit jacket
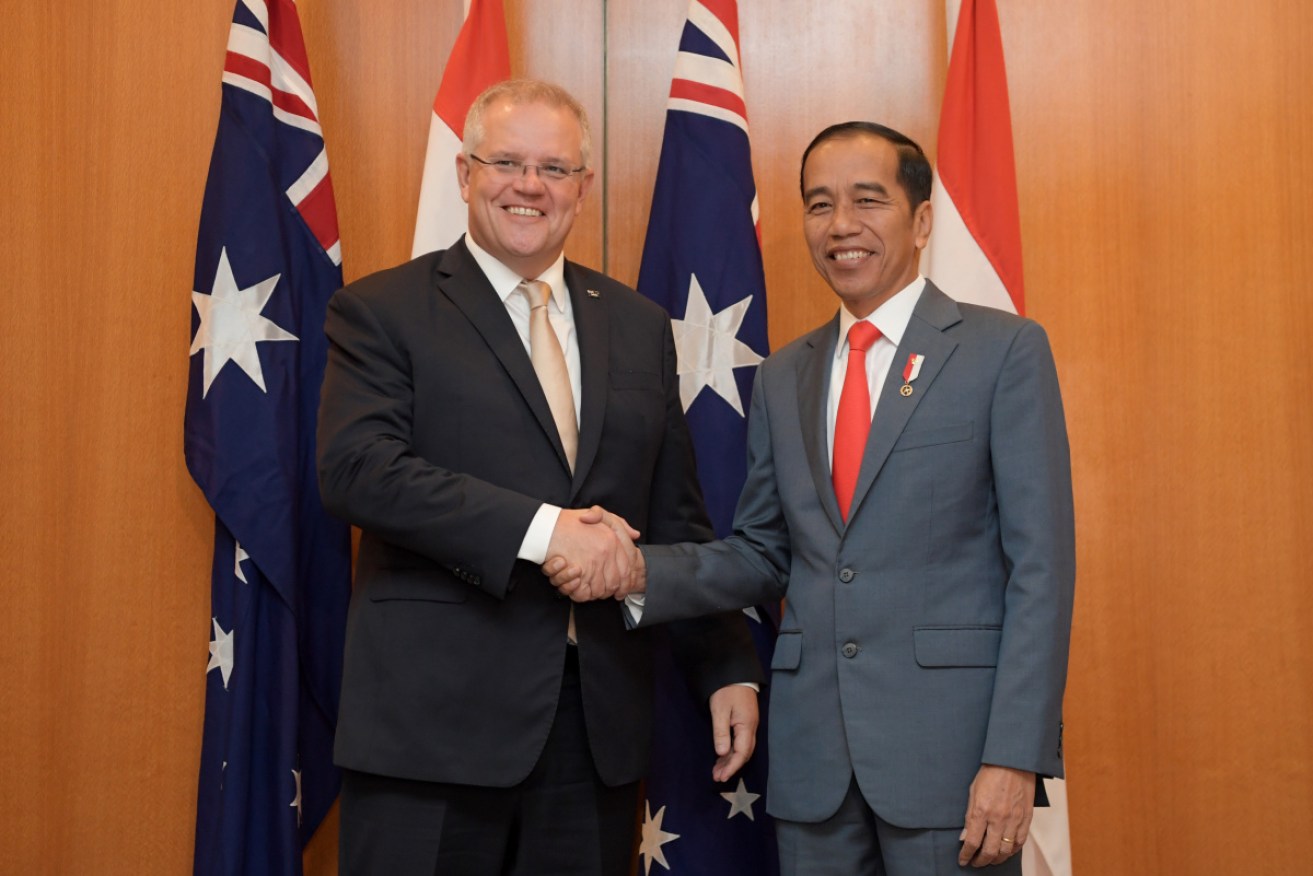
929,634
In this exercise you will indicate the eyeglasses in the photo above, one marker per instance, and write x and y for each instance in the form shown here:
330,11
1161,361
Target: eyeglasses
512,167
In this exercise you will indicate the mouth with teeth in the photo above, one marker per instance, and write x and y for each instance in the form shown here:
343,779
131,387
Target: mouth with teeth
849,255
524,211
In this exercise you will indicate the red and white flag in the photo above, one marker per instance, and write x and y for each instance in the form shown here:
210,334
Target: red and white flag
975,255
479,58
975,250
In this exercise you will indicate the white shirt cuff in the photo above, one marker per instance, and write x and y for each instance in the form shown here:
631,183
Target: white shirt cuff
635,602
539,535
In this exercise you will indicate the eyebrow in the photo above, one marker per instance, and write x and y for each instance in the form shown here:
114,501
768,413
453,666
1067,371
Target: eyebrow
877,188
873,187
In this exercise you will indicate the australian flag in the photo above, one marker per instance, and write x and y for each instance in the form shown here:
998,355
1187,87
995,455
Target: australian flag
267,260
702,262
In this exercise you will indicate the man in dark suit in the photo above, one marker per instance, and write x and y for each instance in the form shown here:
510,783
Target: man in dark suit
488,726
909,492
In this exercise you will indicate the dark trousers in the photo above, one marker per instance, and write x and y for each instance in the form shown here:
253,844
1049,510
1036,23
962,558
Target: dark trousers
560,820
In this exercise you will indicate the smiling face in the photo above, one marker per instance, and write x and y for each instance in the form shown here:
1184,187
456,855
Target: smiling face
523,220
864,235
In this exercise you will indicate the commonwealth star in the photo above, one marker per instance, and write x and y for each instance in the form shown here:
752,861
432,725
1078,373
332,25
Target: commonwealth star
231,324
709,349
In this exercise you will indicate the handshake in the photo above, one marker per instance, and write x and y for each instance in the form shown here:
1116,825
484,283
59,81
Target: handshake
592,556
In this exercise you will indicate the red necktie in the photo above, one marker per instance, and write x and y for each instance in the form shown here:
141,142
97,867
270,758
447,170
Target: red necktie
852,422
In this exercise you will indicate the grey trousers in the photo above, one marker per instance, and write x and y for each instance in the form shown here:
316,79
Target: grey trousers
856,842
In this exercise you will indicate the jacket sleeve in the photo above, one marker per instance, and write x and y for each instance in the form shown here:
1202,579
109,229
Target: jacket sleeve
1032,482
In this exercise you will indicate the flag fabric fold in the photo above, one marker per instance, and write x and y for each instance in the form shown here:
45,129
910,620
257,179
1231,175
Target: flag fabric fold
268,258
479,58
975,255
702,262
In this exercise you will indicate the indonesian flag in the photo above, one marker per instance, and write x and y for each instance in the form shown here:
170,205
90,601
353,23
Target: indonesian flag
975,250
479,58
975,255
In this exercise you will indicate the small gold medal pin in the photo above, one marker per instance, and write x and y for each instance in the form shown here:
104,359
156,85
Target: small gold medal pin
910,371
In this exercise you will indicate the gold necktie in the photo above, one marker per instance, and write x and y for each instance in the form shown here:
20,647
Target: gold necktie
549,364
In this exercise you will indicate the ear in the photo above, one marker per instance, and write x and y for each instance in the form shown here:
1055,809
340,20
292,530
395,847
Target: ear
463,176
922,221
585,183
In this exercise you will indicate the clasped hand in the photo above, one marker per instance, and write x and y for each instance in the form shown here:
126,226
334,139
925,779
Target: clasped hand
592,555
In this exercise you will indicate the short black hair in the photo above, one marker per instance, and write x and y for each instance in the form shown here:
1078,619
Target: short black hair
914,173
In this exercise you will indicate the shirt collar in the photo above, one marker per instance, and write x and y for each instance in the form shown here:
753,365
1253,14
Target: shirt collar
504,280
891,317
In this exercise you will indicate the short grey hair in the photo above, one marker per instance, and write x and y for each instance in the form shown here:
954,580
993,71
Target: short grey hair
519,92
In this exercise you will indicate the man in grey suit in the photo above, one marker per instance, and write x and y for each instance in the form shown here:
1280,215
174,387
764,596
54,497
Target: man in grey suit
909,493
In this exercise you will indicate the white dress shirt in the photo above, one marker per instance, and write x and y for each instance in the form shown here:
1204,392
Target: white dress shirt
891,318
560,314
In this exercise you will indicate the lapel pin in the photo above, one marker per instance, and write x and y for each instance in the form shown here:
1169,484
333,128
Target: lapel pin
910,371
593,293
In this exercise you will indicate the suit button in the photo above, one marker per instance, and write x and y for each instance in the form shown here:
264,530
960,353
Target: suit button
850,650
847,575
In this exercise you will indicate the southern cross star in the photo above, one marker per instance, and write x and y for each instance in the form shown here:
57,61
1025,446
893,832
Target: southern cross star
740,800
296,801
654,838
237,564
221,653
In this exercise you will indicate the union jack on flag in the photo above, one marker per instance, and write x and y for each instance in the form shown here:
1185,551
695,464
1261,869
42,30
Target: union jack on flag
702,262
267,260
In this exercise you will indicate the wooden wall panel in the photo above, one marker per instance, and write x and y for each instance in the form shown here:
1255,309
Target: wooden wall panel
103,157
641,40
1164,164
375,78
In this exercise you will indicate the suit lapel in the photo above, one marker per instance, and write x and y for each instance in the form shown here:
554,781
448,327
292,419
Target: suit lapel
934,312
813,390
459,278
593,329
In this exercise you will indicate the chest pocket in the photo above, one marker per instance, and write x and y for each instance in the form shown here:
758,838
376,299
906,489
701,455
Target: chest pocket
935,435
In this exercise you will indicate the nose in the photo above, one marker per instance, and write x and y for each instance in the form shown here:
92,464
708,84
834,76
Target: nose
843,220
529,182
